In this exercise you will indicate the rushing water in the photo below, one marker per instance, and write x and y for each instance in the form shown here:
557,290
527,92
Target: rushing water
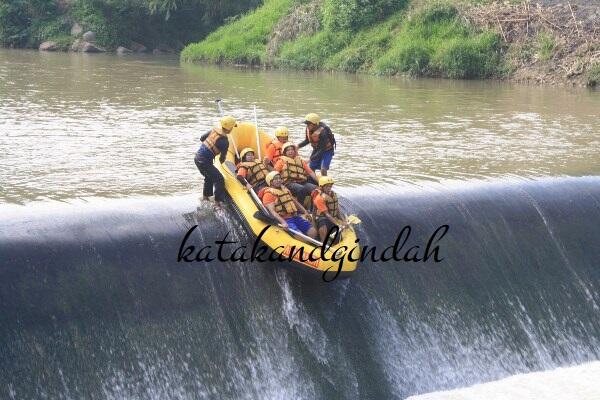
93,303
76,126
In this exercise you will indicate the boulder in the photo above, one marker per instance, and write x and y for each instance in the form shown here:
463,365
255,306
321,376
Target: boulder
123,50
138,47
48,46
87,47
89,36
163,49
76,29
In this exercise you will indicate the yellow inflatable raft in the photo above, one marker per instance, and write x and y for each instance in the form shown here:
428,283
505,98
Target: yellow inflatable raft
341,257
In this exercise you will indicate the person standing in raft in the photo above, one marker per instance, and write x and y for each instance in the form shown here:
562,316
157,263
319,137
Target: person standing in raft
284,207
274,149
214,143
250,172
322,141
327,210
295,172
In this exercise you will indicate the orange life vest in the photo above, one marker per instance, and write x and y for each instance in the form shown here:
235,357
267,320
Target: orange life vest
331,201
278,146
284,206
293,170
211,141
313,138
257,172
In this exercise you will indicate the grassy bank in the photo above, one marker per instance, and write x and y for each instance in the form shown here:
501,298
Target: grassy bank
241,41
390,37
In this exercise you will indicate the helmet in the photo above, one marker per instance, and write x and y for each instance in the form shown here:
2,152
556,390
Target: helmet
325,180
228,122
270,177
282,131
312,117
246,151
286,145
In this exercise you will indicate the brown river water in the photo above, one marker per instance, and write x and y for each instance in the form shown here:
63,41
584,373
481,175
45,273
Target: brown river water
76,126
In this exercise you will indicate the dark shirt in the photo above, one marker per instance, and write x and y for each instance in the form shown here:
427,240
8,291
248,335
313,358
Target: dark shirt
317,152
204,155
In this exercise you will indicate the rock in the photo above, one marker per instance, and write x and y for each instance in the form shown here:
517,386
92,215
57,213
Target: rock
48,46
138,47
163,49
89,36
123,50
76,29
87,47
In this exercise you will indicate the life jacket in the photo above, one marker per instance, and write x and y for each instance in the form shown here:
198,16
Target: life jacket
313,138
278,146
293,170
257,172
285,203
331,201
211,141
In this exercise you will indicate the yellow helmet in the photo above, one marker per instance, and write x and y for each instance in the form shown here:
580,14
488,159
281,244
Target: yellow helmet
286,145
312,117
270,177
282,131
325,180
228,122
246,151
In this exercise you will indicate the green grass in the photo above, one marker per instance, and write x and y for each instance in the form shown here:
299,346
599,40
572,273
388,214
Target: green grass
545,44
431,40
312,52
366,47
242,41
593,75
436,42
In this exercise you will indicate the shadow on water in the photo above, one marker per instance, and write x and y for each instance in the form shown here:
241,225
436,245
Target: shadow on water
94,303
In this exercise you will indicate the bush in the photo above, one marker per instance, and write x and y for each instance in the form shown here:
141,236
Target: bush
26,23
348,15
593,75
546,45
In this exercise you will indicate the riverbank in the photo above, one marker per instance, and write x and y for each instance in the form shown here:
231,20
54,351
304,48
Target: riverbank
554,44
160,26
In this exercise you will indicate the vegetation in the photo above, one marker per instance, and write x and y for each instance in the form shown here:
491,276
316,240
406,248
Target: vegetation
242,41
373,36
27,23
593,75
546,43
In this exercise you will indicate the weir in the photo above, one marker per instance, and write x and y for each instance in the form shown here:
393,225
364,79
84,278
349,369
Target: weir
93,303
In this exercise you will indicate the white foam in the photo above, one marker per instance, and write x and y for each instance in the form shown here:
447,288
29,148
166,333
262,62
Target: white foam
581,382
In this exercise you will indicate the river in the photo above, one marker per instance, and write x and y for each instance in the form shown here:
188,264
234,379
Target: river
98,187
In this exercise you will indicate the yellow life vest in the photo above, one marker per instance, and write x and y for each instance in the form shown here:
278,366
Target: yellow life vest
331,201
293,170
257,172
211,141
285,203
